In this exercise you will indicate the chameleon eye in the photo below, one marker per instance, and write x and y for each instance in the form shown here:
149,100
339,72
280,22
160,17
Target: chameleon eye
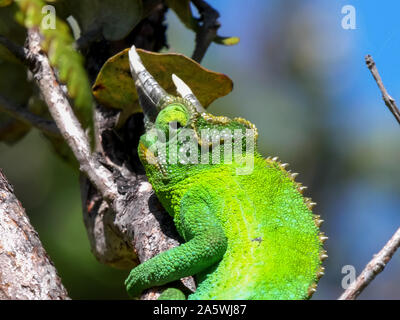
172,117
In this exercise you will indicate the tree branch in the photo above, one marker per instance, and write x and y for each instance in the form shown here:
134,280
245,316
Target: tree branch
24,115
373,268
207,31
389,101
66,121
26,271
379,261
135,227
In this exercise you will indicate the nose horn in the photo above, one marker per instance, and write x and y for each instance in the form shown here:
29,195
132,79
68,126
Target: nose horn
150,93
186,93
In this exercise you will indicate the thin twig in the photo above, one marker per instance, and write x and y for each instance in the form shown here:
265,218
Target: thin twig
66,121
389,101
19,52
373,268
207,32
45,125
379,261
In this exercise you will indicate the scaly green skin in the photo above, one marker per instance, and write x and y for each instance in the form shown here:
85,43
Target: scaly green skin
247,236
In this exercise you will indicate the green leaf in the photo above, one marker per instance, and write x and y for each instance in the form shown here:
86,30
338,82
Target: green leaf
5,3
184,12
58,44
227,41
115,19
114,86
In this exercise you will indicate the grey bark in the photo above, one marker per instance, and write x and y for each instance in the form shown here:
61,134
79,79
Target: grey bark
26,271
134,227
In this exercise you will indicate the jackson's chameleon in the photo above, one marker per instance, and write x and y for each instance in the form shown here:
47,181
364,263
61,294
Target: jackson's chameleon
248,236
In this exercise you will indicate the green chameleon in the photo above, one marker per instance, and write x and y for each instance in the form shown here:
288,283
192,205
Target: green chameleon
248,235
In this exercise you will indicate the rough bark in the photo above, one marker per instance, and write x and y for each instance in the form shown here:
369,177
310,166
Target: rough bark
26,271
135,227
125,223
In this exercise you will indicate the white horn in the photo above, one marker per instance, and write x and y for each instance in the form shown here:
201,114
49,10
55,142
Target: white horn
144,81
186,93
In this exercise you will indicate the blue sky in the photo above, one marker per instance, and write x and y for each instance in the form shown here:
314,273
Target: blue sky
377,33
363,209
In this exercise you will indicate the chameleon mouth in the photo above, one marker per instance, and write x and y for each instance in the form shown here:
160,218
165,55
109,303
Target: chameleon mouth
148,156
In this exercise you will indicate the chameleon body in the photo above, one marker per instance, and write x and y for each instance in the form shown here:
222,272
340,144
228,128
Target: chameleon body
248,236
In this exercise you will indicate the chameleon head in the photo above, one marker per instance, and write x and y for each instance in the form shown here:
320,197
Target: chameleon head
165,115
169,120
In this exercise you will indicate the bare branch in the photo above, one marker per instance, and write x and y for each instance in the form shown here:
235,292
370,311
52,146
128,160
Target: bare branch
66,121
373,268
135,227
389,101
26,271
379,261
208,29
24,115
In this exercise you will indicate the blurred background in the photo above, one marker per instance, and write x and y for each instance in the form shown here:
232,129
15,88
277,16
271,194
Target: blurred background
301,78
